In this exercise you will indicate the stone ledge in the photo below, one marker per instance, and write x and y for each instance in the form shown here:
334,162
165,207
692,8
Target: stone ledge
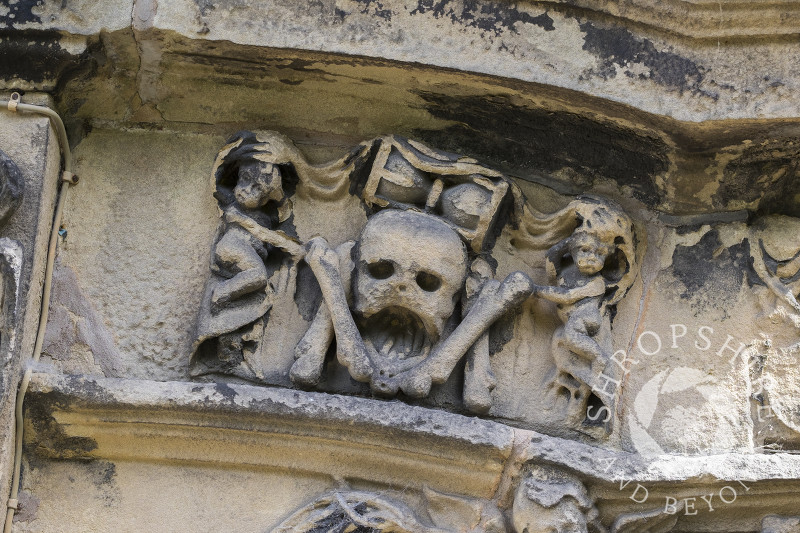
82,402
607,466
244,426
391,444
693,61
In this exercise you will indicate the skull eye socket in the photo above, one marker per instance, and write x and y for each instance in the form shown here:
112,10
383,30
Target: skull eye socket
428,282
381,269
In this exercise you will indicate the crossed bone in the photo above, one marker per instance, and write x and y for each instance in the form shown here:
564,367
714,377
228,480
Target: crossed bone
335,318
333,268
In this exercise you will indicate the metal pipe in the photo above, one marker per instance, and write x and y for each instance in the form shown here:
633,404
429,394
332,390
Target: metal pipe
15,105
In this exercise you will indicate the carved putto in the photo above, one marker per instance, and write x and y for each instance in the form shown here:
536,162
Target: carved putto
252,261
590,269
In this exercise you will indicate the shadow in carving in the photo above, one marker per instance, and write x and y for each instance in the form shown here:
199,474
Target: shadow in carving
12,187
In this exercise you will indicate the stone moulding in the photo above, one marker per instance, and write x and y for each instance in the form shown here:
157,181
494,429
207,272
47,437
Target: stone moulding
388,443
241,425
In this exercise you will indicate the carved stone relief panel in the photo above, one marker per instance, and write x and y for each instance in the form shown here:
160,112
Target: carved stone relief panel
411,300
772,355
723,370
547,499
352,511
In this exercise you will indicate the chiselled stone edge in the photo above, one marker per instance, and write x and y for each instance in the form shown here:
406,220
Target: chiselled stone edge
98,393
696,19
607,466
357,438
255,427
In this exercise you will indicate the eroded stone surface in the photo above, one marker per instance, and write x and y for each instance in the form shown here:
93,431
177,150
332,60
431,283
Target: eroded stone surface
517,42
29,141
682,116
676,335
564,481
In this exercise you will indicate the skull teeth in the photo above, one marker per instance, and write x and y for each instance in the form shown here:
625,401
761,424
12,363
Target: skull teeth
403,345
419,341
388,344
396,333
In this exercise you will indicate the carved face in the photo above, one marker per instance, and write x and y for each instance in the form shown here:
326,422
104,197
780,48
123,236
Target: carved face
589,252
258,183
547,501
410,271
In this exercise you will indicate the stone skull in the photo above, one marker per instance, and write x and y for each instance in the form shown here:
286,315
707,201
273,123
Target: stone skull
410,271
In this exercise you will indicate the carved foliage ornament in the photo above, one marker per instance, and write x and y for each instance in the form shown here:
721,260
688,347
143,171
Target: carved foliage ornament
415,292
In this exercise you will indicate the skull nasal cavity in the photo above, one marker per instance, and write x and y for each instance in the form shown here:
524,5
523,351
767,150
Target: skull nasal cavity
380,269
428,282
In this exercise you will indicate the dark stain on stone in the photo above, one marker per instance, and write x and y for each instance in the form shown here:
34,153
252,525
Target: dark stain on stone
708,269
87,387
225,391
768,173
21,12
205,6
493,17
502,331
375,8
524,141
617,47
244,67
105,473
34,56
50,439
